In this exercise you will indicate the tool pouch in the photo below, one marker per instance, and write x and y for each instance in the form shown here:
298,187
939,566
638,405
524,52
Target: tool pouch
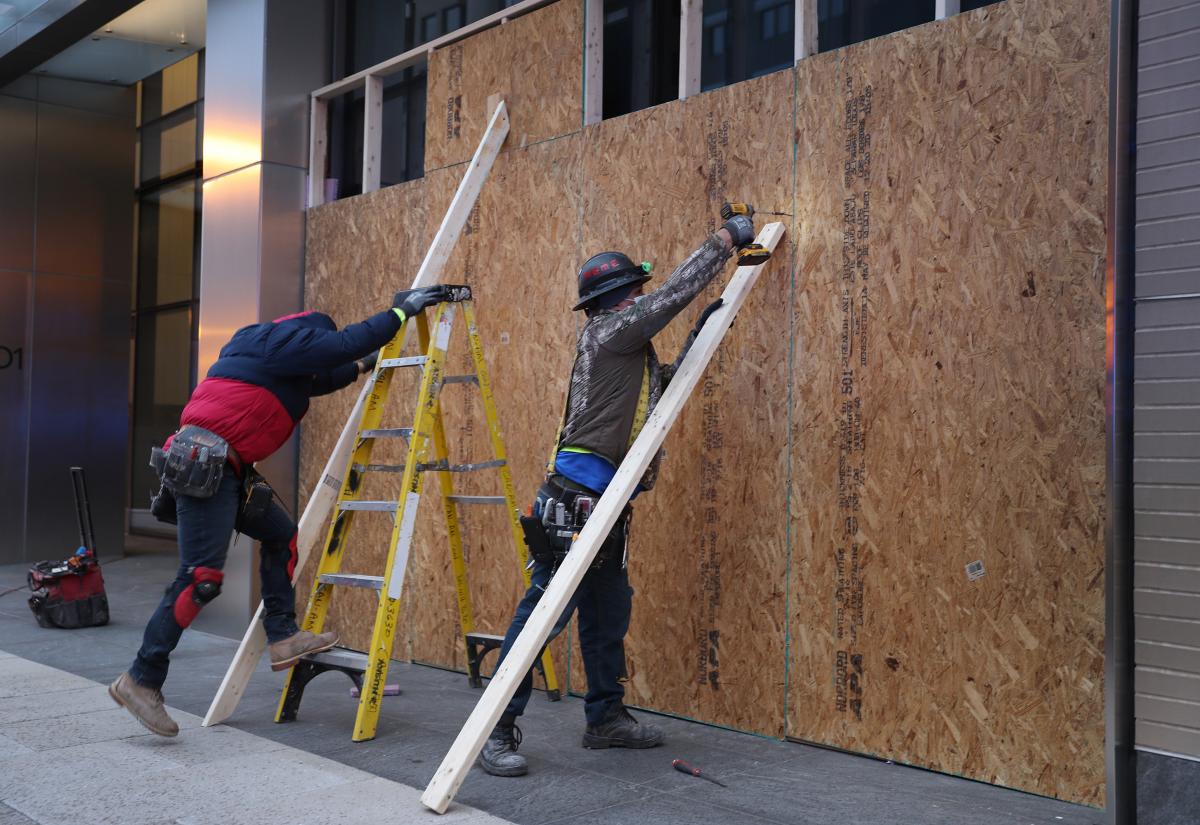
193,464
537,541
162,505
256,501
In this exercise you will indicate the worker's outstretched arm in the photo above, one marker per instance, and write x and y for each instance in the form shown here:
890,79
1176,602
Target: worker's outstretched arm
342,376
300,350
632,328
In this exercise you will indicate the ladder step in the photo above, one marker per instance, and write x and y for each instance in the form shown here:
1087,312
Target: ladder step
477,499
490,639
461,379
379,468
396,432
377,506
444,466
410,361
340,657
352,580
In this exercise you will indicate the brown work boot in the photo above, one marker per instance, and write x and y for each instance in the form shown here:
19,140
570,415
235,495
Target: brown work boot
286,653
146,705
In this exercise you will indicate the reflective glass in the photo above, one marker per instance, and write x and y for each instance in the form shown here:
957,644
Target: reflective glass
162,382
167,248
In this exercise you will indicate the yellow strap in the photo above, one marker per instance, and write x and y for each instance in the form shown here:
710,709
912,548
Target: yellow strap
643,405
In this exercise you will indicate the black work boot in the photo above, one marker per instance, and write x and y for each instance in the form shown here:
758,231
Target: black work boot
499,756
620,730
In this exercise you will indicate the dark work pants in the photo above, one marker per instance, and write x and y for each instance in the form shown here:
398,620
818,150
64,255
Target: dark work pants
604,600
205,528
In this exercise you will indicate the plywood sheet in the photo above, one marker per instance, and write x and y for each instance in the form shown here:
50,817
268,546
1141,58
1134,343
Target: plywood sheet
948,381
534,61
970,431
520,265
360,251
708,550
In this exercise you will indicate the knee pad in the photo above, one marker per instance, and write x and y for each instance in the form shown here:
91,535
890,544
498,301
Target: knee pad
204,587
293,554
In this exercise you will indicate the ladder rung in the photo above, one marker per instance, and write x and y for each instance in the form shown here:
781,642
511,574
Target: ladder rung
395,432
444,466
486,639
460,379
410,361
352,580
379,468
478,499
340,657
379,506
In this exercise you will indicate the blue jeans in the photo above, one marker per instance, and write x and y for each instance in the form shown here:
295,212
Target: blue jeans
205,528
604,601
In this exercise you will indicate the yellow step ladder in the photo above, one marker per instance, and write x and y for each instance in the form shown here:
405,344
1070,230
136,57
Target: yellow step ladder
427,435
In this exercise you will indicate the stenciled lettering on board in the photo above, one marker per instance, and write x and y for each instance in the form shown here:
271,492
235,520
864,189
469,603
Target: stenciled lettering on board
853,361
454,99
712,463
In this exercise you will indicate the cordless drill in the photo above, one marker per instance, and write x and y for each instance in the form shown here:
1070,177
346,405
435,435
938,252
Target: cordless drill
751,254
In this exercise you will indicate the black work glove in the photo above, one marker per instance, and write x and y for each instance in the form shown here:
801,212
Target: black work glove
412,301
740,229
669,372
708,310
367,364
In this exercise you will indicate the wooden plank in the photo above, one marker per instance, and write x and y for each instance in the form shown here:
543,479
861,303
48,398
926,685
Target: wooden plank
593,62
453,769
535,61
691,34
372,134
719,491
924,439
415,55
308,531
806,29
947,8
465,197
318,149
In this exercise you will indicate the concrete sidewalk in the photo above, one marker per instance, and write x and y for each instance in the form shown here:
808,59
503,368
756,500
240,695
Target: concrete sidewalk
770,782
68,755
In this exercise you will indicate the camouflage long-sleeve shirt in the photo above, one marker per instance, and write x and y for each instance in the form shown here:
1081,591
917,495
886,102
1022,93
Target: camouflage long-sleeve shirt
617,379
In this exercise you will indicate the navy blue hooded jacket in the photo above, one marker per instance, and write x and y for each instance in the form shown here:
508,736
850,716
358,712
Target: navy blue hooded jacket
258,390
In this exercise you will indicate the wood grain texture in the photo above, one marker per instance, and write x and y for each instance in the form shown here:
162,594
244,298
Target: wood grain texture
949,378
711,534
975,422
535,62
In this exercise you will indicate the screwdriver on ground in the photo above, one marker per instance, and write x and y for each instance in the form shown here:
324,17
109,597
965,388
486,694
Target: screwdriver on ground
685,767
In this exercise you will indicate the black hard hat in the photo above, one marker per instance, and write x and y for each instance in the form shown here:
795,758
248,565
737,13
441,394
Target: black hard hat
608,271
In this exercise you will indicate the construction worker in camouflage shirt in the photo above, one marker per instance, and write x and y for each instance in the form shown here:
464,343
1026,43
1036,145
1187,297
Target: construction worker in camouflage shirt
616,381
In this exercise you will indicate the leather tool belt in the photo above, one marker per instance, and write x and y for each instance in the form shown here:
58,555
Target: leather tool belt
194,462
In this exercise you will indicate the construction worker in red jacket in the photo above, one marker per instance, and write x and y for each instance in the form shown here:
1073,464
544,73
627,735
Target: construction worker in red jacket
244,410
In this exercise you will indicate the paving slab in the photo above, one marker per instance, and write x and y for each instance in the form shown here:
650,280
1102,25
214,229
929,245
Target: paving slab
770,781
120,774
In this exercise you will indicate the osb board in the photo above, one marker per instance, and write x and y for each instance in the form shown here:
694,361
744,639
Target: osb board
520,265
708,548
948,387
359,252
535,61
